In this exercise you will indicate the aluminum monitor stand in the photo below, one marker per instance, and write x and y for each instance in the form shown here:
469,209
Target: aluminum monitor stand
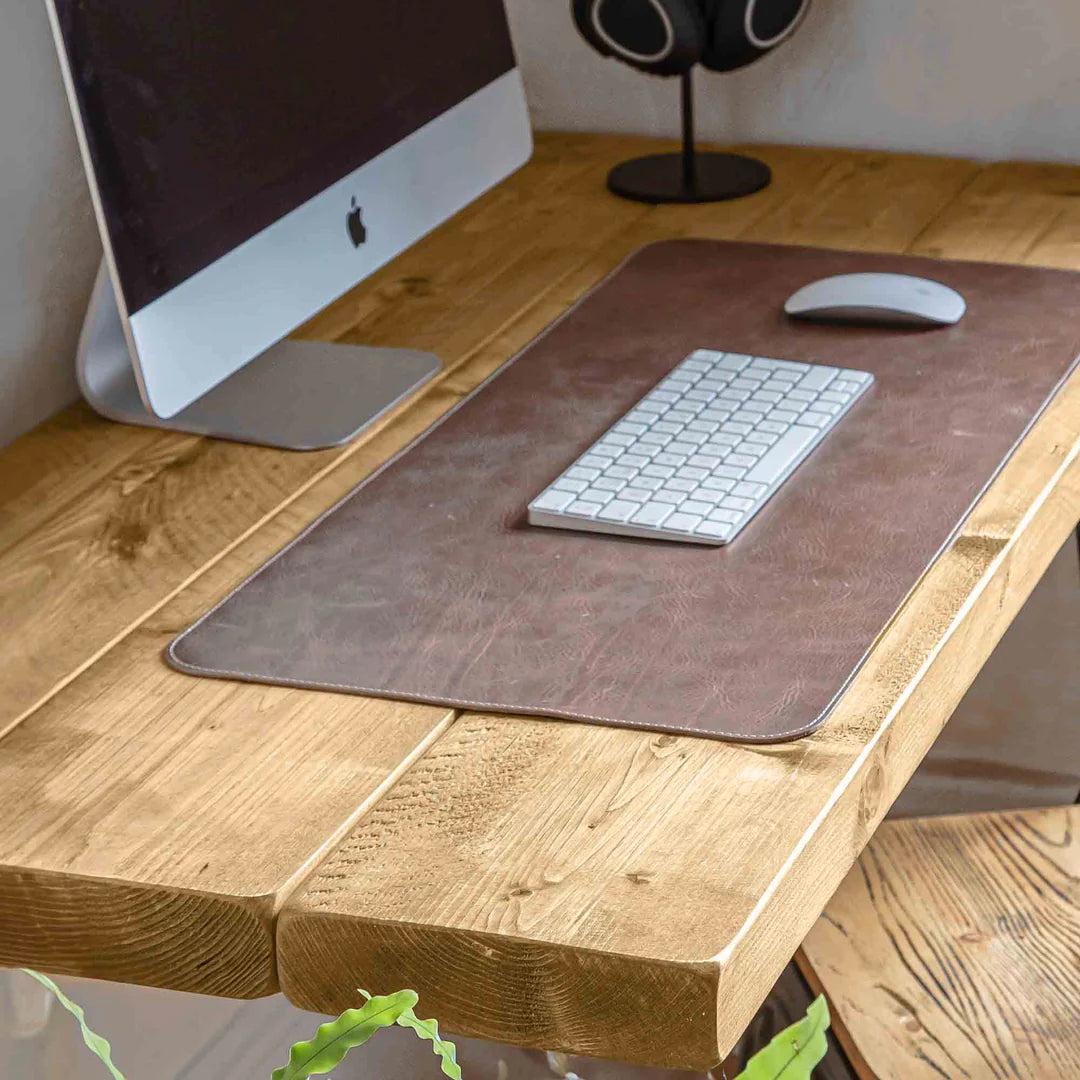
298,395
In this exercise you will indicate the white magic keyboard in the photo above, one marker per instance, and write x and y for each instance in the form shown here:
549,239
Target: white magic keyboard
700,454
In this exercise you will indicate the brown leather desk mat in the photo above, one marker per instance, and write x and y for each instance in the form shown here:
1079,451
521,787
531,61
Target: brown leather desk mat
427,583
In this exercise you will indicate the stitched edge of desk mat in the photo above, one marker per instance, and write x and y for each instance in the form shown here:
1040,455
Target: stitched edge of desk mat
427,584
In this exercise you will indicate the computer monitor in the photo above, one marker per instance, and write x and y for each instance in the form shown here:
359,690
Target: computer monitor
250,162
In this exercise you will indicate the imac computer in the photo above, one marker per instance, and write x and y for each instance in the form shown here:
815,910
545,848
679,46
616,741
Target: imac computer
249,163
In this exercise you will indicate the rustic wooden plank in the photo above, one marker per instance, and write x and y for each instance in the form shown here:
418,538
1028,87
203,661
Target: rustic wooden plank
951,950
588,869
1012,212
189,807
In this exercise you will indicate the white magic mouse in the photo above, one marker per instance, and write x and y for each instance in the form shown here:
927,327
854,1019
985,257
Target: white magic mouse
884,299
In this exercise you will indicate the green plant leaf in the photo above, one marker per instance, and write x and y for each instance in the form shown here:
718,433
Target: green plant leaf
335,1039
96,1043
429,1029
793,1054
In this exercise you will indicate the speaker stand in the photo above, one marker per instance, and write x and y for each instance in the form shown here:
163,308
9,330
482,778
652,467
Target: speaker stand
298,395
688,176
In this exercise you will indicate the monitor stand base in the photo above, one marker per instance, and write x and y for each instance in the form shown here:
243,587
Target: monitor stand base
298,395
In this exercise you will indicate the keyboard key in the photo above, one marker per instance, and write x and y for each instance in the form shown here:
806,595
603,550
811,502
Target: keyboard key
723,441
783,416
583,509
769,396
595,460
672,497
801,395
734,427
693,439
705,460
831,395
745,460
669,460
684,448
817,378
732,502
618,510
667,427
648,483
629,428
729,472
635,494
692,472
621,472
730,516
692,506
772,427
733,362
717,483
680,522
662,472
597,495
818,419
779,458
761,438
749,491
579,472
564,483
608,483
553,499
616,439
714,530
679,416
654,438
653,514
633,461
677,483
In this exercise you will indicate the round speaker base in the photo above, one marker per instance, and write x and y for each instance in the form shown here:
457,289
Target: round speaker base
660,178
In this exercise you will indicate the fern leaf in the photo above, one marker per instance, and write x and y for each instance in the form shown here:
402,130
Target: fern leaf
335,1039
793,1054
429,1029
97,1044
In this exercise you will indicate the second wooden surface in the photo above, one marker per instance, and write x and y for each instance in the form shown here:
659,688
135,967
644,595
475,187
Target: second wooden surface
953,949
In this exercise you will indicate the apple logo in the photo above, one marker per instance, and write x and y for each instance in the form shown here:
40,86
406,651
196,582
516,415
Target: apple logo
355,220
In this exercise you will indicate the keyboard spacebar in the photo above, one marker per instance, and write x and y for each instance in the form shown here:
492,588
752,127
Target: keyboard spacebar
780,455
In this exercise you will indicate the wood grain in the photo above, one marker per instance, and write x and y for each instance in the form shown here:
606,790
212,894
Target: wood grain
156,824
561,869
953,949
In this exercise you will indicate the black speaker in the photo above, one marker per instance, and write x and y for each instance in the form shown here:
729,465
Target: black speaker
671,37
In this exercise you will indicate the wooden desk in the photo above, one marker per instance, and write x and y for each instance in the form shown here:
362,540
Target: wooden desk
620,893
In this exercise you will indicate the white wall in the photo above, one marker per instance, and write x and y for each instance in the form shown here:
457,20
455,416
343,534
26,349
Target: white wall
992,80
48,242
985,78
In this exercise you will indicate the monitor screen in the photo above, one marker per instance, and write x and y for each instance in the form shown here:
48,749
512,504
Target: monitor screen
208,120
